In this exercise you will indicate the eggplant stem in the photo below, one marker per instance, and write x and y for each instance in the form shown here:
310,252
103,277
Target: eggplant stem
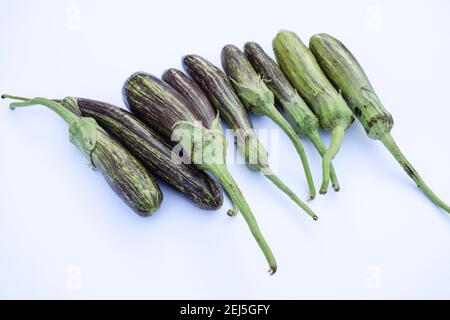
8,96
280,184
337,136
233,212
223,175
286,127
390,144
56,107
316,140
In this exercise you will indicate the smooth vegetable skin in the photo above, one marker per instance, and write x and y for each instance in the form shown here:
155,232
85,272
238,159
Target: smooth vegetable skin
301,68
258,99
151,150
122,171
162,107
347,74
289,103
197,99
221,94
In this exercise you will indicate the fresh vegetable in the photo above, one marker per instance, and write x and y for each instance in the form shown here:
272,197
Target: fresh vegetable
221,94
301,68
162,107
346,73
122,171
289,102
151,150
258,99
199,102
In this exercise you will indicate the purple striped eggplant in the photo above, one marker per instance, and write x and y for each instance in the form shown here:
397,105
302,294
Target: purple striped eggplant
151,150
222,96
126,175
289,102
197,99
167,111
347,75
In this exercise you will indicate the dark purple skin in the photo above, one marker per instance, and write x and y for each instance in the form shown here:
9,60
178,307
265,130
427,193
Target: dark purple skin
156,103
200,104
220,91
154,153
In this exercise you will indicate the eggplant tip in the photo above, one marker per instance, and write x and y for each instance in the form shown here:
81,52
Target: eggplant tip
249,44
170,70
185,57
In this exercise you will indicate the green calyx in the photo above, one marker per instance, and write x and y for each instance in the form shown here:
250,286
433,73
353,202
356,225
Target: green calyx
377,121
255,97
82,130
205,147
71,104
83,134
302,122
332,110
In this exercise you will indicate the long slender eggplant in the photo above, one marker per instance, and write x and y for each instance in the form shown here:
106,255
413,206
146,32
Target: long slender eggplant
192,93
289,102
199,101
221,94
162,107
151,150
301,68
126,175
347,75
258,99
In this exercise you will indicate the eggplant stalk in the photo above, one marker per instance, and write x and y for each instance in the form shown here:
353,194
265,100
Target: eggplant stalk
390,144
207,148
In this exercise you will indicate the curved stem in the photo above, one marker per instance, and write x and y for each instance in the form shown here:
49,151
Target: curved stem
234,211
227,181
316,140
337,136
56,107
280,184
390,144
286,127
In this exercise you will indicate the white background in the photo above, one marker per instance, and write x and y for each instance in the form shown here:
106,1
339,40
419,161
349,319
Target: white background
64,233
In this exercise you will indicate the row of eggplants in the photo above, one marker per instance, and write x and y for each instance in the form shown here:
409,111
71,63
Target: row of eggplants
321,86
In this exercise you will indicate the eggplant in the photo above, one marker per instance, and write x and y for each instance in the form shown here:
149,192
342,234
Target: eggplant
166,110
126,175
152,151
